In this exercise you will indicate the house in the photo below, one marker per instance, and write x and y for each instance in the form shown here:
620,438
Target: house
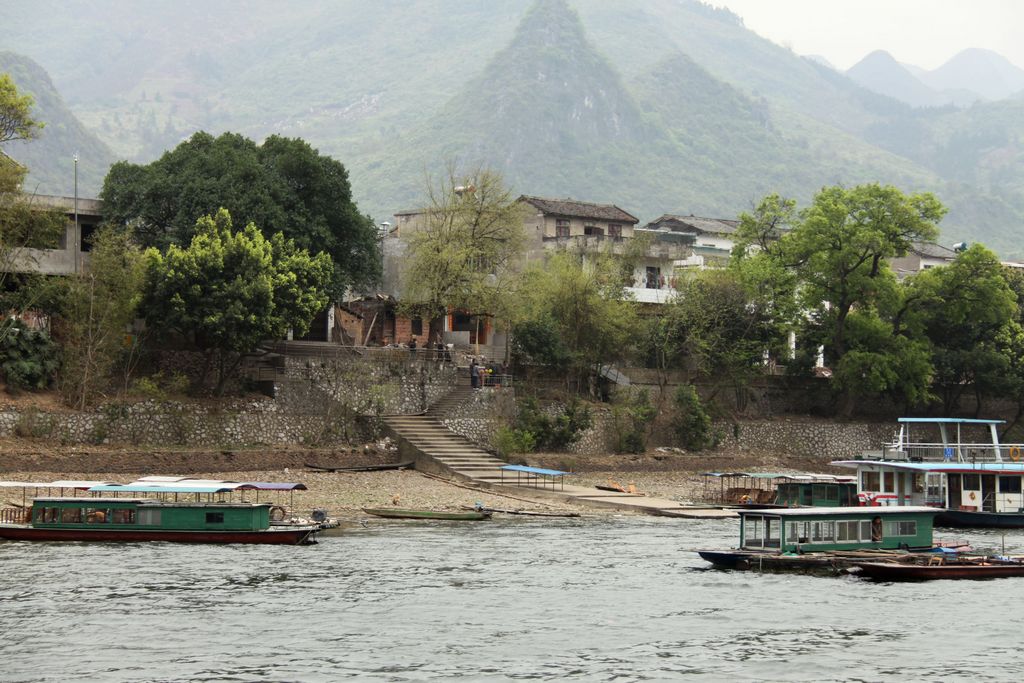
555,224
922,256
70,254
711,239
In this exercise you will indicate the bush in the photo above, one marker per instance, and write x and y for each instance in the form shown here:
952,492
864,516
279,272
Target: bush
508,441
553,433
693,424
28,358
630,417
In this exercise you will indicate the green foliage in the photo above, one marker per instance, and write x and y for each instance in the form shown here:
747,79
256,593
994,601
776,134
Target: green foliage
283,186
467,248
632,412
580,300
28,358
16,122
230,290
538,342
97,311
693,424
551,433
509,441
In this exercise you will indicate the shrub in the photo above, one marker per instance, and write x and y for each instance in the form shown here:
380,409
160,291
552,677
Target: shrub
553,432
508,441
693,424
28,358
630,416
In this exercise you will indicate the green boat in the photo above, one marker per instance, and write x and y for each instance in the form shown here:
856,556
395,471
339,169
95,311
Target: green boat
400,513
829,539
133,520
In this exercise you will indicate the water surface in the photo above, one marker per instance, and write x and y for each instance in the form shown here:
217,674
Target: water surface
557,599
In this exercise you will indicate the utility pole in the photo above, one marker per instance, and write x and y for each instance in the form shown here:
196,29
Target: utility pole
78,229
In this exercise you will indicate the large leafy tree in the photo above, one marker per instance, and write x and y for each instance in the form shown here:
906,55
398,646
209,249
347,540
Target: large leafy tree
577,303
228,290
467,248
961,310
282,184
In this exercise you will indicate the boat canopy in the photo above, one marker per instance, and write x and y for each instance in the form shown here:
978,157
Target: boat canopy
802,476
272,486
840,512
65,484
534,470
973,468
950,420
162,488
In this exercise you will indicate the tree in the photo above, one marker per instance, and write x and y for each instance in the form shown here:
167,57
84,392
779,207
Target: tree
282,185
582,298
23,224
228,290
961,309
98,308
467,249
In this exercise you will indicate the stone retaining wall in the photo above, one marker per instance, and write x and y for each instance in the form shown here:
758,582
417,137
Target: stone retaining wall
479,416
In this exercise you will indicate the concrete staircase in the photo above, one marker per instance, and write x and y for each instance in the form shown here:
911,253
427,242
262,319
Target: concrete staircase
438,450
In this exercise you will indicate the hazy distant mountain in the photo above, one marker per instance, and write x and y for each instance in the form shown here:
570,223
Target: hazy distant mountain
664,105
880,72
982,71
50,157
819,59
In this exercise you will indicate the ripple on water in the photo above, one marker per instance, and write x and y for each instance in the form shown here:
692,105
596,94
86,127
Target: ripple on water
609,599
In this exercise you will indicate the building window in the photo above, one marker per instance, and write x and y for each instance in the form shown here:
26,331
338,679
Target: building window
88,231
615,231
417,326
593,230
561,227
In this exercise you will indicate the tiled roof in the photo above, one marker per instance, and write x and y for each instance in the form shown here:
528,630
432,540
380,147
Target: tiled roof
716,226
575,209
932,250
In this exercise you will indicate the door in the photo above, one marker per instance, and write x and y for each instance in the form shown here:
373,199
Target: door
988,493
954,486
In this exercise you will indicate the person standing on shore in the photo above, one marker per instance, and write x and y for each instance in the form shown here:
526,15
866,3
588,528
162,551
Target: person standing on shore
474,374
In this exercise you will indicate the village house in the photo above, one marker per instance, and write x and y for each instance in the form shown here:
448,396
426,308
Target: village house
70,253
922,256
711,239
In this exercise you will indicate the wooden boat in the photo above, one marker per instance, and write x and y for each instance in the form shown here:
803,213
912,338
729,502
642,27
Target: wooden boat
133,520
400,513
526,513
408,465
956,568
824,539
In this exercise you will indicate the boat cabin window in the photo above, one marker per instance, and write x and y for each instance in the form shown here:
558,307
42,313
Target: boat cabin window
890,482
918,482
97,516
49,515
865,530
149,517
826,492
811,532
1009,484
214,517
870,481
123,517
71,515
762,532
847,531
901,528
972,482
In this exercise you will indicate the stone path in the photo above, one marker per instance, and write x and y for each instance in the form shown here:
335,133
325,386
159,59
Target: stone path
438,450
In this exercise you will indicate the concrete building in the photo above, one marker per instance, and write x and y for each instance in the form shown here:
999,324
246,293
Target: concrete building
71,253
711,239
922,256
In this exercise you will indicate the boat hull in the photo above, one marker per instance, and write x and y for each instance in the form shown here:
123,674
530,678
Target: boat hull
895,571
275,535
398,513
991,520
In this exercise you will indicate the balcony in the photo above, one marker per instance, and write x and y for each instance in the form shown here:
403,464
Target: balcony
616,245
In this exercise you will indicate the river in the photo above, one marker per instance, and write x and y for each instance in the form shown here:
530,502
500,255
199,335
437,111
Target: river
590,599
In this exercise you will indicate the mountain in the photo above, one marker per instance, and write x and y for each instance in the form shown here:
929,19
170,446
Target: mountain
880,72
49,157
985,72
665,105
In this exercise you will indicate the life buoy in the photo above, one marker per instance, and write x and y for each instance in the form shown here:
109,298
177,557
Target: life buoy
277,514
1015,453
973,496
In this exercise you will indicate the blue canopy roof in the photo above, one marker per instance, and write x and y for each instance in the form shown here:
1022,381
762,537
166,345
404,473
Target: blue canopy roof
534,470
951,420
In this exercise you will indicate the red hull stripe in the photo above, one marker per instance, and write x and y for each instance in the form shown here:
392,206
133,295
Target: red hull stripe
276,536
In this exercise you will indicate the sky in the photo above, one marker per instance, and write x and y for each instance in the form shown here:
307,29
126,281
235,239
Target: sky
924,33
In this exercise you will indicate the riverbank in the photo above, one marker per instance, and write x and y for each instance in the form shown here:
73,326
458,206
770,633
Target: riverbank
667,473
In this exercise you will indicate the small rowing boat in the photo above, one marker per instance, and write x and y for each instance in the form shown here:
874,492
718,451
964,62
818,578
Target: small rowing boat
400,513
963,567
